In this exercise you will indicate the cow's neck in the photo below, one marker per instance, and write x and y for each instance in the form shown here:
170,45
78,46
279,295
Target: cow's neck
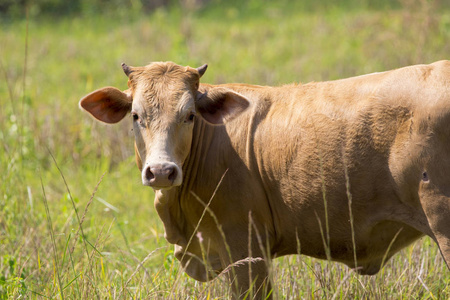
201,140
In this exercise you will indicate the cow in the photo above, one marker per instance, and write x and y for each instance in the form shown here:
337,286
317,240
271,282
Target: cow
351,170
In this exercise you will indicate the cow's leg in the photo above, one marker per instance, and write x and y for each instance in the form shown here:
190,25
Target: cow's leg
249,279
435,200
247,270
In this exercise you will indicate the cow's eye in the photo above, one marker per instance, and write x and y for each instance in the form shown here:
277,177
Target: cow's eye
190,118
134,116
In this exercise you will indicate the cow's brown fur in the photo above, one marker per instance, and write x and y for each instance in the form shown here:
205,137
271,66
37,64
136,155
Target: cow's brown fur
290,163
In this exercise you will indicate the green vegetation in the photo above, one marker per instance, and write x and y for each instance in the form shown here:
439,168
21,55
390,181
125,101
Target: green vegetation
61,169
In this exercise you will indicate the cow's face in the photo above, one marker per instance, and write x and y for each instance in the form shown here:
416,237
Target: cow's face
164,100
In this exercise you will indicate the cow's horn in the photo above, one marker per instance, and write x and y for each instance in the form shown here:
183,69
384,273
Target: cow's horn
126,69
201,70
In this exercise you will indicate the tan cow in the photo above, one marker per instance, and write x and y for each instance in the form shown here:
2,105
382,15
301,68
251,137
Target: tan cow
351,170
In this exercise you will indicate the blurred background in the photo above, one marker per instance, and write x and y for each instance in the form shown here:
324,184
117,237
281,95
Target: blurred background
53,156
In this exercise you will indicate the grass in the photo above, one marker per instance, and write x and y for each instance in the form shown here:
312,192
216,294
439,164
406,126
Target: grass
61,171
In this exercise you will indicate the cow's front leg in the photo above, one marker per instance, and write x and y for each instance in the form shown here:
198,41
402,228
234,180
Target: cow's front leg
247,270
249,279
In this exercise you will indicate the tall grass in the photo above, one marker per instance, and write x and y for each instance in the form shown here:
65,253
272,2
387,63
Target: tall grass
75,221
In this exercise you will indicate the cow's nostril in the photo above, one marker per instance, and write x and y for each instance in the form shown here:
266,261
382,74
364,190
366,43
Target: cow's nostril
149,174
173,174
160,175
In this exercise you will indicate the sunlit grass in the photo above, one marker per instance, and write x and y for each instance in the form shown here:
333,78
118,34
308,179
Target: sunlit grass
123,253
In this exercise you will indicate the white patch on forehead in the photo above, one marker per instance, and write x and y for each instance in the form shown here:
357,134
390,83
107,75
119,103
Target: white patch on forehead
137,97
137,104
186,102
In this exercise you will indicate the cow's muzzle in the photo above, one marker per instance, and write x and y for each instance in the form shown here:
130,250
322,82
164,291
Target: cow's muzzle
160,176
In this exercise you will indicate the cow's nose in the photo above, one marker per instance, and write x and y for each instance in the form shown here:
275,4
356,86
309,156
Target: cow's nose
160,175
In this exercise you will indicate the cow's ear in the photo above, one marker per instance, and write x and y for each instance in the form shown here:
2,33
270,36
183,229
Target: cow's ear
108,104
220,105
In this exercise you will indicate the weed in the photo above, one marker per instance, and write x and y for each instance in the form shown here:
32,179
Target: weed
115,248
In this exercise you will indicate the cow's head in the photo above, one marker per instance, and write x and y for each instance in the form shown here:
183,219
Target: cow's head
164,100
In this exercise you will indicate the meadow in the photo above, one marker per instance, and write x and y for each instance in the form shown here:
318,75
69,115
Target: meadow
75,221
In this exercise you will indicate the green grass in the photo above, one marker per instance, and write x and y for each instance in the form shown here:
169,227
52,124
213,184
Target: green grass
122,253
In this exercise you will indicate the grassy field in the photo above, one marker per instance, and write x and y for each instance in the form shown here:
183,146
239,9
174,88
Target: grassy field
62,171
